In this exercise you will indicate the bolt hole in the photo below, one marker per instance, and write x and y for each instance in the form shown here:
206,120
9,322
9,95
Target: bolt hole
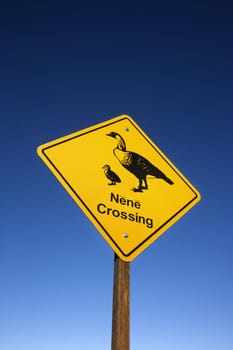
125,235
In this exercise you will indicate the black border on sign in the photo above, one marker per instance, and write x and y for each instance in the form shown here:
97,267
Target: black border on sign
87,208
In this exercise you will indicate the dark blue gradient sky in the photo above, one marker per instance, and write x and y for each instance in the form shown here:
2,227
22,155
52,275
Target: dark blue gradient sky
67,65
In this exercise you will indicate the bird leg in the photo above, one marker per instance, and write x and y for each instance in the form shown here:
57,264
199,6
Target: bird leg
141,187
145,187
112,183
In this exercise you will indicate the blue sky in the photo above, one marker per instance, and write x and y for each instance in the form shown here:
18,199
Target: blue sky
66,66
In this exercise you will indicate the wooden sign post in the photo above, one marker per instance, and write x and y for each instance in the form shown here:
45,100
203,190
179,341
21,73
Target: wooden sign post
149,196
121,305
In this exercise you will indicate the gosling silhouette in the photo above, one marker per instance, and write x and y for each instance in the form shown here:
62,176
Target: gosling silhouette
110,175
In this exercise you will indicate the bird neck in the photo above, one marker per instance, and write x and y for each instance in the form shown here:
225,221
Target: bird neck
121,143
119,154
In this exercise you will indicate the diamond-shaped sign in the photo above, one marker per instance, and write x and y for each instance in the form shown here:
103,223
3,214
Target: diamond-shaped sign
122,181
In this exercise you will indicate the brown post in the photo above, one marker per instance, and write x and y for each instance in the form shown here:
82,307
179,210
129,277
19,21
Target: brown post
121,305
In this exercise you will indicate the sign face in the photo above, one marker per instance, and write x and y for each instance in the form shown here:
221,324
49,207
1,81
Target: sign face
122,181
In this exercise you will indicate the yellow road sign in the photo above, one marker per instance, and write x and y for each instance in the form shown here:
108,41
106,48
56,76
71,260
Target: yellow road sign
122,181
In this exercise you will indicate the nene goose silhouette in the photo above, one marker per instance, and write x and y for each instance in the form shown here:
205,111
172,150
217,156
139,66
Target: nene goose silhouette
136,164
113,177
